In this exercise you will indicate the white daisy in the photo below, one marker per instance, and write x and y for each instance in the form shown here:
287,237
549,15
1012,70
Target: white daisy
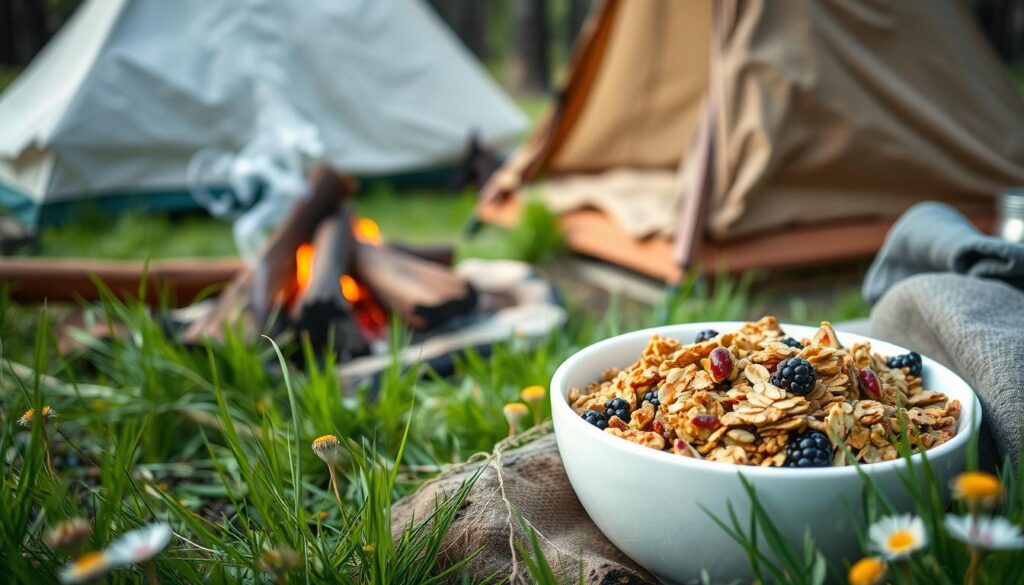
86,568
898,537
139,546
996,533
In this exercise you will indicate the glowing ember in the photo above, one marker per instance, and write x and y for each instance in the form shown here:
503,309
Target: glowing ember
304,265
368,231
350,288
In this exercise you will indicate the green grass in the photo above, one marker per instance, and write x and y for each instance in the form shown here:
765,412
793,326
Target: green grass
138,236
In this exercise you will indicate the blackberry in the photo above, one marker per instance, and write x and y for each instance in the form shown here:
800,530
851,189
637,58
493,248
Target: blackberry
617,407
911,361
706,335
810,448
596,418
651,397
796,375
792,342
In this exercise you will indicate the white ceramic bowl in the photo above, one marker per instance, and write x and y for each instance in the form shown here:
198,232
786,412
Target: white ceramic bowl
648,502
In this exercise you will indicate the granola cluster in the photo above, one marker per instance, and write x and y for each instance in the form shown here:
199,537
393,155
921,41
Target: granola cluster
717,400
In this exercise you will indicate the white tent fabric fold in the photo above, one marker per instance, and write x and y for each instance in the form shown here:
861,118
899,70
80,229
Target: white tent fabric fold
130,89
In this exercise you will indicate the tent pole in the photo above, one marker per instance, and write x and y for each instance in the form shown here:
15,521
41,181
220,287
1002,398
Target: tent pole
698,173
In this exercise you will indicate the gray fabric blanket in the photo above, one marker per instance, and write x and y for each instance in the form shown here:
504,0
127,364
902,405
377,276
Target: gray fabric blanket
933,237
976,328
956,295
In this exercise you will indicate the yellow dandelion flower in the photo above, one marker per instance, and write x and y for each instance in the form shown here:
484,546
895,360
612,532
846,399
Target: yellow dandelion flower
326,448
867,571
977,487
46,412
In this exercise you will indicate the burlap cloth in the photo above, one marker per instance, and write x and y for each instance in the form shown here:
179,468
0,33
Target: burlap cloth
530,481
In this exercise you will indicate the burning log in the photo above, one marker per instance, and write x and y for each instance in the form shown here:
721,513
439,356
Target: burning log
320,310
423,294
274,273
255,291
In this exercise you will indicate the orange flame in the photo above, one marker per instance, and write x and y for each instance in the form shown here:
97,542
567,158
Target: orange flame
350,289
368,231
304,265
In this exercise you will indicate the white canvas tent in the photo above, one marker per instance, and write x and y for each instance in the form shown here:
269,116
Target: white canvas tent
129,90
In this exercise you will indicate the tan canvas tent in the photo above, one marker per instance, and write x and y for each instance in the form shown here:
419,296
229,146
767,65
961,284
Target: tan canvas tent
757,133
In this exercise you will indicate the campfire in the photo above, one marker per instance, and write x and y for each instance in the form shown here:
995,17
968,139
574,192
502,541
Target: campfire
328,275
370,317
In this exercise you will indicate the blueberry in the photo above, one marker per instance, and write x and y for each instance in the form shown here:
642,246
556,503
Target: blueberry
596,418
617,407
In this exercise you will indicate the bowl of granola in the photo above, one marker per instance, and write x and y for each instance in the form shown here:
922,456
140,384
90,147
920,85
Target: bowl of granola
656,428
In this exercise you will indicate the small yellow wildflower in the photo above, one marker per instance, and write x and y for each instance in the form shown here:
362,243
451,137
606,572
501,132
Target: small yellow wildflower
977,487
867,571
326,448
534,396
514,411
46,412
86,567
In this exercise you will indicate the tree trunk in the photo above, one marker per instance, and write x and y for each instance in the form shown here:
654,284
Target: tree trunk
531,72
473,27
30,31
8,47
1002,21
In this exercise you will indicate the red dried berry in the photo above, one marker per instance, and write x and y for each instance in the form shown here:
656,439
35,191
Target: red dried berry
659,427
720,362
706,421
681,447
869,382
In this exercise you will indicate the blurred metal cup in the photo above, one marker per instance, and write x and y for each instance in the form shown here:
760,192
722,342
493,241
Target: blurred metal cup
1010,224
